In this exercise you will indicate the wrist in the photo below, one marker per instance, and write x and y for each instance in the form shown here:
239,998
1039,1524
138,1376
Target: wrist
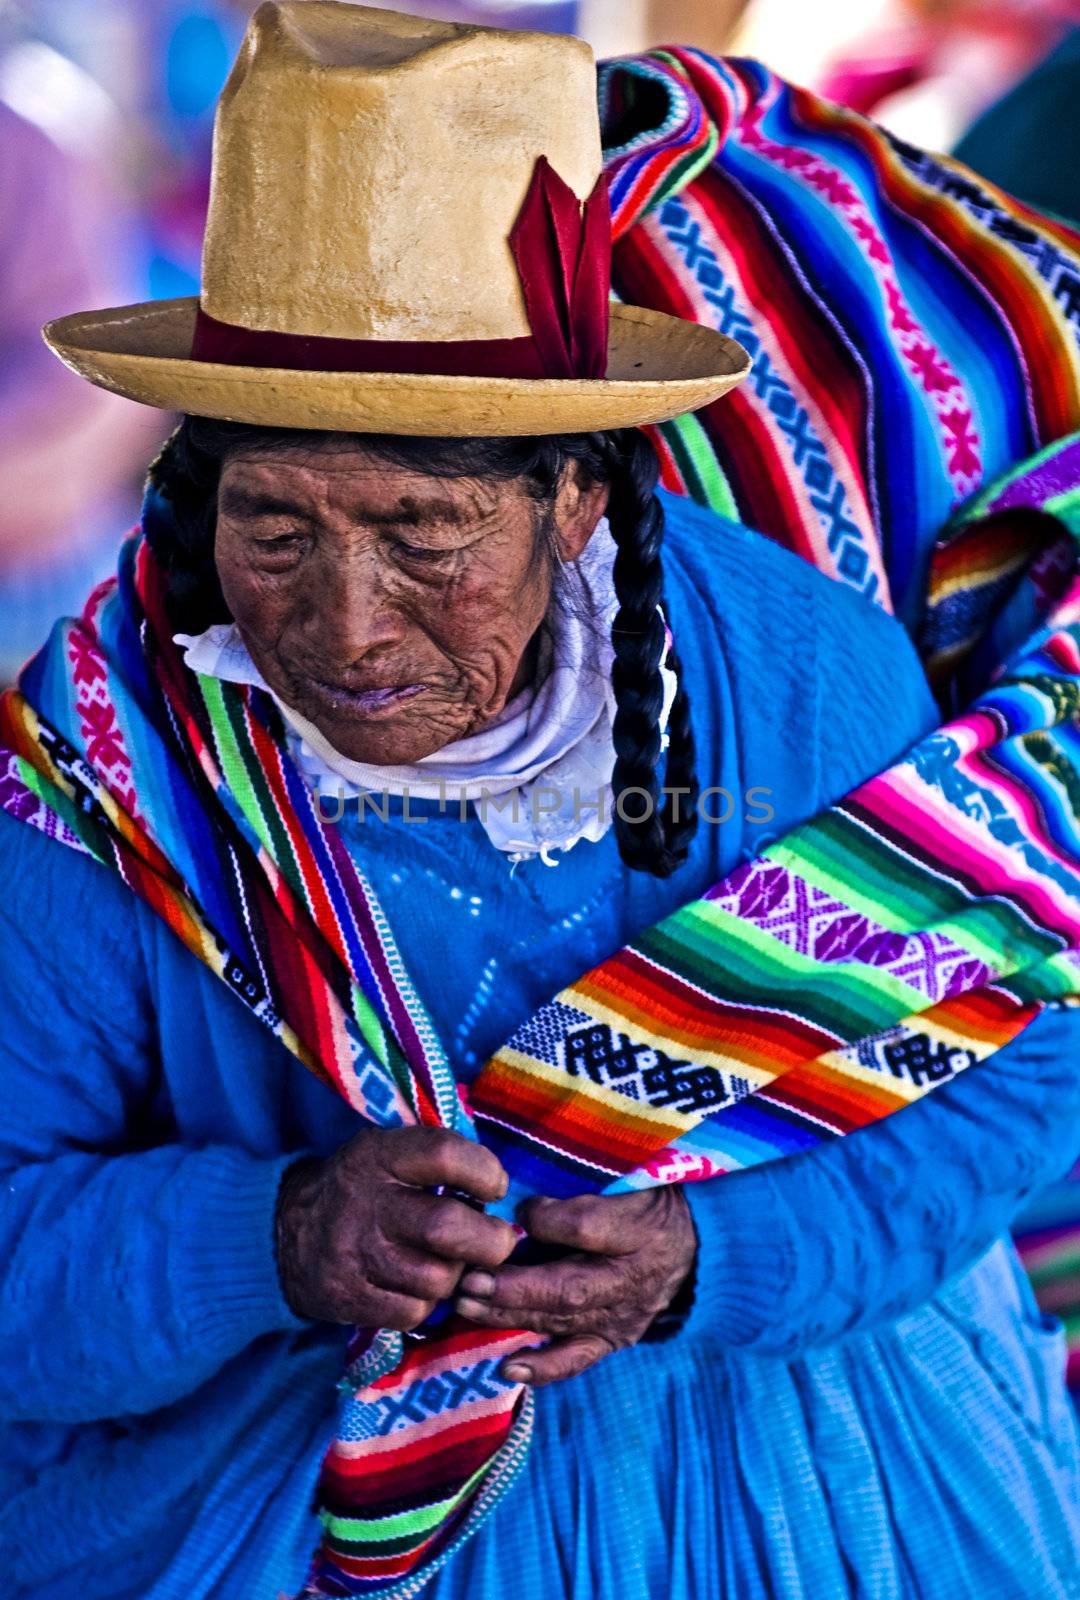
675,1313
671,1318
293,1180
748,1257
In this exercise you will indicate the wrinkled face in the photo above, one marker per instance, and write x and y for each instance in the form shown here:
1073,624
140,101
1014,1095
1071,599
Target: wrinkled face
394,610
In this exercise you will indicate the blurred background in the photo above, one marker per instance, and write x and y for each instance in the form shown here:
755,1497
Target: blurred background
105,122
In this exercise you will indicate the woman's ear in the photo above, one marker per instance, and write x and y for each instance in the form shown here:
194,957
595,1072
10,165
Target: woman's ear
579,504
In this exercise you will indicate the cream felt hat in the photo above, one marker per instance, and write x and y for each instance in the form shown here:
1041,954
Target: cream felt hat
408,233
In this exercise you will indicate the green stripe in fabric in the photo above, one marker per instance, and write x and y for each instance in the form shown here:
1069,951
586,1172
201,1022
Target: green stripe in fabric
1062,1264
976,506
371,1546
1050,980
404,1526
398,1067
696,460
872,877
686,170
84,827
237,771
1059,972
368,1023
866,872
1066,507
759,969
273,833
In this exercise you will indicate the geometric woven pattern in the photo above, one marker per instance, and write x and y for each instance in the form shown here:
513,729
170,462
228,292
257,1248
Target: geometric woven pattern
642,1071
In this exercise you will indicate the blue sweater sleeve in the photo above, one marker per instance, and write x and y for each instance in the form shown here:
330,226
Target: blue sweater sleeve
862,1230
127,1275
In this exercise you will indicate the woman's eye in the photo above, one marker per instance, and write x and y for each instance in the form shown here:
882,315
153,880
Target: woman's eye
421,552
281,542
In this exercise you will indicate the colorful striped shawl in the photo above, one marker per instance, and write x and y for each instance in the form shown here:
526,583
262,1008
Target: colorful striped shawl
914,333
907,932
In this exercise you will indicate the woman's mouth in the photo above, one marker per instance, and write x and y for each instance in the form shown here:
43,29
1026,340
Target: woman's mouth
366,701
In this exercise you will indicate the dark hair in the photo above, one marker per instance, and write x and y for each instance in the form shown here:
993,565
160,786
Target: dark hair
655,838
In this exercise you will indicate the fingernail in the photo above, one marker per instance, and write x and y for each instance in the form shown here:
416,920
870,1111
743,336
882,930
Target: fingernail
471,1308
478,1283
518,1374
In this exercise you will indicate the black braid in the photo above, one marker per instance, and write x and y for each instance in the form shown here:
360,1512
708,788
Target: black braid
653,833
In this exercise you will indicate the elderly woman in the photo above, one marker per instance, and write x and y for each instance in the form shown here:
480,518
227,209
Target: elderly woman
371,707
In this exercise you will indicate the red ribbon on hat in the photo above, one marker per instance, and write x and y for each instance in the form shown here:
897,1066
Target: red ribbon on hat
563,255
562,250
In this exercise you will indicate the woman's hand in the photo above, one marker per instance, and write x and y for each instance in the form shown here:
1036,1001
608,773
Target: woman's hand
632,1253
361,1240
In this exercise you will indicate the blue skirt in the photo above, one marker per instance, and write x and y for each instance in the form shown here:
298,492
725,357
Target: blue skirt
935,1459
938,1458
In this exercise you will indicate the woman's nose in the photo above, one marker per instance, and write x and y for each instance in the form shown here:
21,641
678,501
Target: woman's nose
354,616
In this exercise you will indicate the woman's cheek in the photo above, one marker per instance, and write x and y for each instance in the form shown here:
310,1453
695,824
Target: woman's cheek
246,591
265,603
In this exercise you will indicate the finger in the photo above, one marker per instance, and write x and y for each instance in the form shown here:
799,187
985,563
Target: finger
555,1324
579,1283
565,1358
405,1270
387,1309
596,1223
430,1156
449,1229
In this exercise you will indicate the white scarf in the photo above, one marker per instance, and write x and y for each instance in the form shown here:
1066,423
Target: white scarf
547,758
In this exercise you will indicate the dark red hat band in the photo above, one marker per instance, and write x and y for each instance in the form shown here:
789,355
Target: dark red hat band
301,352
563,255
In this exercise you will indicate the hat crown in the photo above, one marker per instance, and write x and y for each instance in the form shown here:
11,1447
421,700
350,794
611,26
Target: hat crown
369,167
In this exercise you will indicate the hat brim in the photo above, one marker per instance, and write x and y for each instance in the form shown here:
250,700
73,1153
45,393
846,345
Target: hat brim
658,367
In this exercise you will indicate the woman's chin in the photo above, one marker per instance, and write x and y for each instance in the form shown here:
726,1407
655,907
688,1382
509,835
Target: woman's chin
381,744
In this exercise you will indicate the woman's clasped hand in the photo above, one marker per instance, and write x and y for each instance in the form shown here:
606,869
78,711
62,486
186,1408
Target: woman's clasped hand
363,1239
629,1255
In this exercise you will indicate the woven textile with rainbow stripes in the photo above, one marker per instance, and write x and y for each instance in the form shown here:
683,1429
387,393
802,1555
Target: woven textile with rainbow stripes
910,428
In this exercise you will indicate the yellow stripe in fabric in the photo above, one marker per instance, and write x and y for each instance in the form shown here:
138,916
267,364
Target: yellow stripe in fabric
847,1063
516,1068
122,822
634,1024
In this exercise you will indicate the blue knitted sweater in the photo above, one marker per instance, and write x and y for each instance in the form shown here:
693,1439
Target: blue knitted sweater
856,1357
